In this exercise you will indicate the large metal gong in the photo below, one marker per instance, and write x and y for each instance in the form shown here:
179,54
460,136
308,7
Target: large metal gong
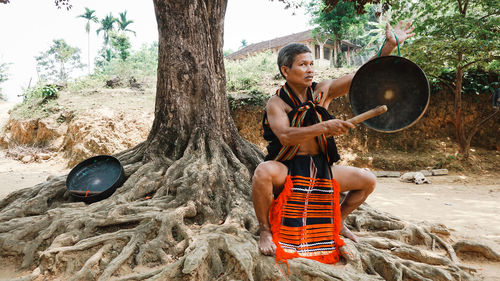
393,81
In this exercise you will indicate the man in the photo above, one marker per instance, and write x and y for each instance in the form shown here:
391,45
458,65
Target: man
307,140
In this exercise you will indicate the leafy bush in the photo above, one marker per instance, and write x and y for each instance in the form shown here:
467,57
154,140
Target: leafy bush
49,91
475,81
57,63
244,75
38,102
141,64
87,82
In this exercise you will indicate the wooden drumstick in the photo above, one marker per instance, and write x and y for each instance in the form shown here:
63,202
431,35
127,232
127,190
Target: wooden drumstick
368,114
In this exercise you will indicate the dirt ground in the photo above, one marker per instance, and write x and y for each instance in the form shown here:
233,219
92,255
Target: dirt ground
466,203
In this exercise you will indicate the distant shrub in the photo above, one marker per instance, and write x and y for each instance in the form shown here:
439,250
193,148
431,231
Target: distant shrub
41,91
87,82
244,75
49,91
141,64
476,81
38,102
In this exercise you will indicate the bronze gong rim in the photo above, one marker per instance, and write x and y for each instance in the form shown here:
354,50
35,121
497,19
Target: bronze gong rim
393,81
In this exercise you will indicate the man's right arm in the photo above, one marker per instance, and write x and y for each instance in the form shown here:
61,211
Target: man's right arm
280,125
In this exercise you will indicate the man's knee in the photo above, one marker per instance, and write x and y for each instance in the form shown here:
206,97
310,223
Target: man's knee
262,174
369,179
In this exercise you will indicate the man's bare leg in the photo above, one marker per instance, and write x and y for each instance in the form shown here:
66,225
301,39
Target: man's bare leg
268,178
359,183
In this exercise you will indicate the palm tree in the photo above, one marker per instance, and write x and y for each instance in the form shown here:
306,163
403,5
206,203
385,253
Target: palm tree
123,22
107,26
89,16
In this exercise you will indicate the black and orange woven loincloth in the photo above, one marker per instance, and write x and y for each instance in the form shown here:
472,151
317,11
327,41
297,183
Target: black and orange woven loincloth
305,217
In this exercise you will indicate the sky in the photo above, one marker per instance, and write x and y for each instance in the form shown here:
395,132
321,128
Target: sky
28,27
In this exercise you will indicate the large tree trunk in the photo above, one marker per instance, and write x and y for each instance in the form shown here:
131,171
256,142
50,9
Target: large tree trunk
185,212
191,83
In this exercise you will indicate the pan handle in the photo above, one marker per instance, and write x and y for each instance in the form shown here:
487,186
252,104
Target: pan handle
368,114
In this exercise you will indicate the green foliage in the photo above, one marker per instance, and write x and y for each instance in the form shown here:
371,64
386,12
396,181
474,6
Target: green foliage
337,23
243,75
90,17
227,52
141,64
451,35
123,23
107,25
244,43
40,92
56,64
121,45
38,102
476,81
88,82
49,91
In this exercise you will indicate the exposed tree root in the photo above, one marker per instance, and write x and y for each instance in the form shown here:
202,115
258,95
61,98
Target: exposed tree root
475,247
191,219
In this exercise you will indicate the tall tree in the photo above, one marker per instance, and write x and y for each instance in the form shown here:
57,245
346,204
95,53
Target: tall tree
57,63
334,23
90,17
123,23
107,27
453,36
184,212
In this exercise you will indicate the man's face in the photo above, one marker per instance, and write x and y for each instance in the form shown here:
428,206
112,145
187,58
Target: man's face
302,72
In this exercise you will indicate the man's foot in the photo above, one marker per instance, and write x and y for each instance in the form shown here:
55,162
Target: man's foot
348,234
266,244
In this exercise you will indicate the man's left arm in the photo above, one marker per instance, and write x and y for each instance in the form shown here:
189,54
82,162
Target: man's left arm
340,87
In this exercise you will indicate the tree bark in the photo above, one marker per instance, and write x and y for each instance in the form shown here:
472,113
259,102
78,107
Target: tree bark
191,78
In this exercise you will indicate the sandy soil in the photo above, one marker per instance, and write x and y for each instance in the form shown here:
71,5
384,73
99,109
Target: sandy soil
15,175
468,204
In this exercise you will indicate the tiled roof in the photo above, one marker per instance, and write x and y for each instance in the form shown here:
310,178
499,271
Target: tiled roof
278,43
274,43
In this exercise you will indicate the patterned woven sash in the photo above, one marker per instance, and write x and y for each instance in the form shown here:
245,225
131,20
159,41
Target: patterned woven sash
307,109
305,218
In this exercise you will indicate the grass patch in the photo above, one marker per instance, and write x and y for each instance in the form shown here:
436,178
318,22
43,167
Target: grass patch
245,75
38,102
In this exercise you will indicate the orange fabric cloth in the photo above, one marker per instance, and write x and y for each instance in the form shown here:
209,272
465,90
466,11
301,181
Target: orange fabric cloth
305,219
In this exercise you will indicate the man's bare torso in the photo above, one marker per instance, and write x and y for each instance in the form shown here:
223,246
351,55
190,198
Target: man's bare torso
309,147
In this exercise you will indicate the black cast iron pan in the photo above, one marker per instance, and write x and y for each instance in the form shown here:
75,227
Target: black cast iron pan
95,179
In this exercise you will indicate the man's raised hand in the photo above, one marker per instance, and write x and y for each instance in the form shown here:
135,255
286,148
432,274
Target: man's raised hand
402,31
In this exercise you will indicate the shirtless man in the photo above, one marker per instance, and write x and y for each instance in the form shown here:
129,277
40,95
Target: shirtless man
295,63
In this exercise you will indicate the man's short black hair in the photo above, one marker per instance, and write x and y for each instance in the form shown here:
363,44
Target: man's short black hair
287,54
